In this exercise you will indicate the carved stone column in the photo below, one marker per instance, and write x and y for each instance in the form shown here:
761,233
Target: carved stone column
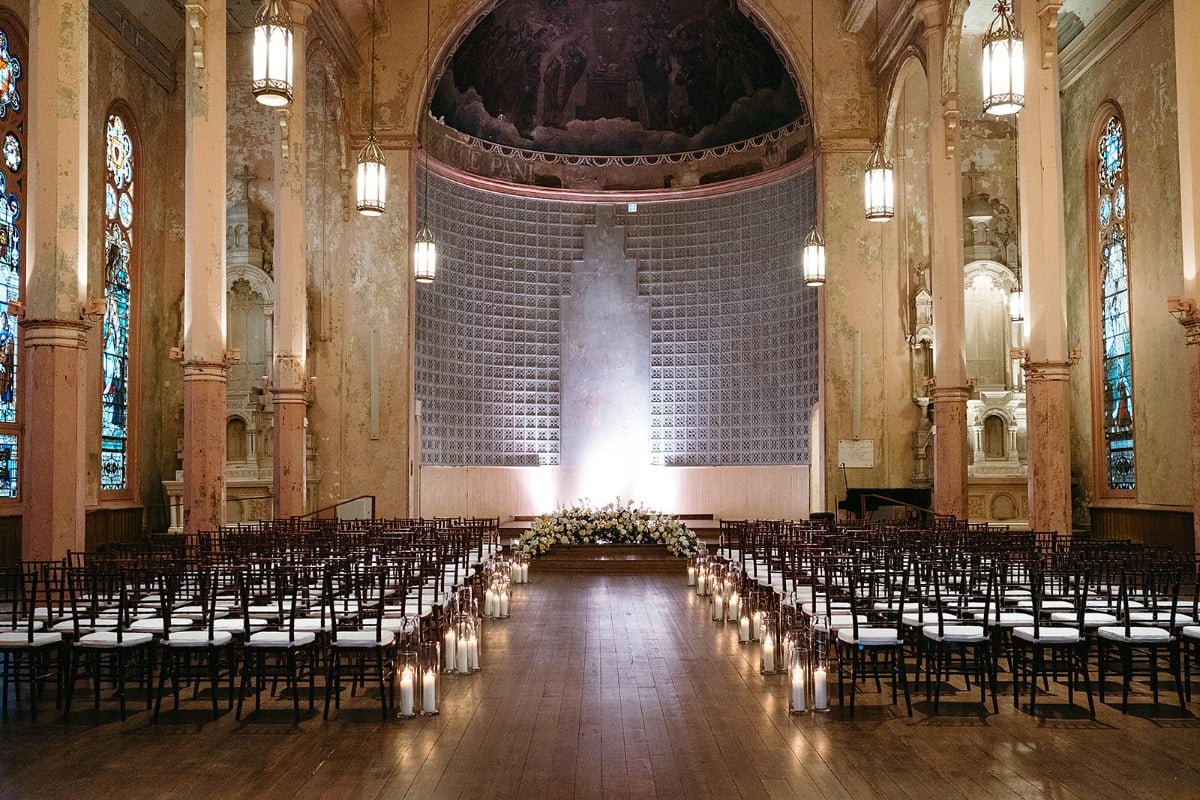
291,287
205,372
946,254
1187,84
54,339
1043,254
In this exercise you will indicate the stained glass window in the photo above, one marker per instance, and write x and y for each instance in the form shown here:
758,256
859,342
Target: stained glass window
118,253
1116,350
12,224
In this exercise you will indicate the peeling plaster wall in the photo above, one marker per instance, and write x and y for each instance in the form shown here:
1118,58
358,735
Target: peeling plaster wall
158,116
1138,75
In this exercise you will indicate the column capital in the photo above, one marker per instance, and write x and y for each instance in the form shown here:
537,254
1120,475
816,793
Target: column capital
949,394
1191,330
1046,371
205,371
55,333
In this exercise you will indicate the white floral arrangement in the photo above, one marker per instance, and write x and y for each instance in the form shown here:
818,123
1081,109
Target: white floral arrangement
614,523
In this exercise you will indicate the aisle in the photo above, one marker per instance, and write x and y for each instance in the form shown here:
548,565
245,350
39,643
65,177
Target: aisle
603,686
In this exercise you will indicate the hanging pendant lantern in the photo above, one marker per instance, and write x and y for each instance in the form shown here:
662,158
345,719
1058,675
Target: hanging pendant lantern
372,179
813,258
1003,65
425,256
272,84
879,186
1016,304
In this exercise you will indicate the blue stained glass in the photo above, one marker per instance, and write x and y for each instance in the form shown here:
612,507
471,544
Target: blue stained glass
12,201
12,152
10,290
10,75
118,250
1112,153
8,465
125,209
120,155
1116,339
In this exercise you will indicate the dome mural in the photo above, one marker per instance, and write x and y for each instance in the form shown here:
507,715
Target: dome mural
615,78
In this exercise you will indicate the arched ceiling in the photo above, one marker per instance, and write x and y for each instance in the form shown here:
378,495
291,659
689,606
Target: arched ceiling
615,78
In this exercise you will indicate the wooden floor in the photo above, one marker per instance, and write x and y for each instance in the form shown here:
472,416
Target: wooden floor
611,686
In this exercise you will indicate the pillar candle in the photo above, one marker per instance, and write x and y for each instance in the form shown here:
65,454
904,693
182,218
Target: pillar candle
429,693
489,603
768,654
691,576
451,649
502,603
463,662
820,690
744,628
473,652
406,692
798,698
756,625
718,606
735,606
525,572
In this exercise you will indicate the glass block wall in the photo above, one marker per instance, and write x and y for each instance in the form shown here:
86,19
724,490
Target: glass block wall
734,350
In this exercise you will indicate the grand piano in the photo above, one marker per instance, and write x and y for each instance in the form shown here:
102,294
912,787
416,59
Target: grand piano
899,503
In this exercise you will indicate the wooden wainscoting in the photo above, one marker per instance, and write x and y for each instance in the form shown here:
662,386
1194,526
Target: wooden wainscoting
10,541
1154,527
109,526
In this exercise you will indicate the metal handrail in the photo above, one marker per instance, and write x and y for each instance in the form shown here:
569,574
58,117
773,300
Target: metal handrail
338,504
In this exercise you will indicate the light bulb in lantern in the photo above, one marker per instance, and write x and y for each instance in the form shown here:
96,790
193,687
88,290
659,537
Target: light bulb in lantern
272,68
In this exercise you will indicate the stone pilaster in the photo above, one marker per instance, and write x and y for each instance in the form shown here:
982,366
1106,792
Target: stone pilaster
1187,84
1043,254
946,274
291,287
54,463
205,372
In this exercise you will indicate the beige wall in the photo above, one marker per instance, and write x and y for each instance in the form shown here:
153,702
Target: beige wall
158,116
724,492
1138,75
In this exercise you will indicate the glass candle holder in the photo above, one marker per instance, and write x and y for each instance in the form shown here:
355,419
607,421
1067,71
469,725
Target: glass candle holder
770,662
428,658
798,681
408,676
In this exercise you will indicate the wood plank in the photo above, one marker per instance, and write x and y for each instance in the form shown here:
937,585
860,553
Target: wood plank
611,686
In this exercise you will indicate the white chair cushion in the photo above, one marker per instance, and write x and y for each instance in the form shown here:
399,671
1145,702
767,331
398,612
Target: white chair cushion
20,639
1191,632
364,638
956,633
280,639
1006,619
1091,619
870,637
1116,633
199,639
108,639
313,624
1051,634
399,624
238,625
836,622
198,611
1160,617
